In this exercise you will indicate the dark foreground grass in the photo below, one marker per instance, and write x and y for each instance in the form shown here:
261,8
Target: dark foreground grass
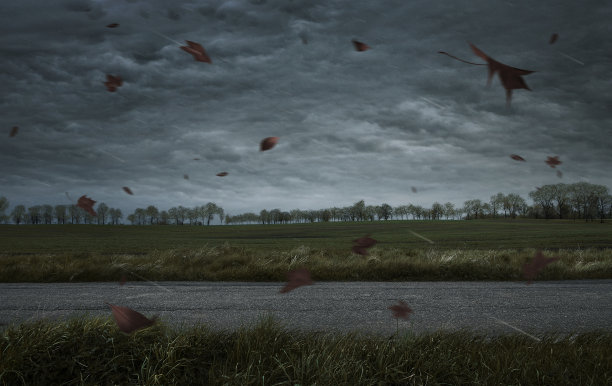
231,263
93,351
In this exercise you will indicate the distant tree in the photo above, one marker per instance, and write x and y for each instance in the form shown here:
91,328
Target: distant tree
358,211
517,204
192,215
152,213
132,218
173,213
182,214
115,215
34,214
60,213
75,214
496,202
449,210
47,214
544,197
141,216
437,210
19,214
102,213
164,218
4,204
472,207
264,216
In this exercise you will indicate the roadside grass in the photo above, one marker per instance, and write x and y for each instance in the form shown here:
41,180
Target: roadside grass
236,263
93,351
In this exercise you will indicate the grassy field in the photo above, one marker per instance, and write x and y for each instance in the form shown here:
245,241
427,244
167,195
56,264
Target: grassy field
461,250
93,351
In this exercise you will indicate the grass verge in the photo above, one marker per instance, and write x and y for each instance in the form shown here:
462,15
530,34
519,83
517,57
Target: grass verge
92,351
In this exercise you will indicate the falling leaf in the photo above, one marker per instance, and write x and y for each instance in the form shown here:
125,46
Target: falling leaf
400,310
86,204
196,159
112,82
129,320
553,161
268,143
517,157
185,176
509,76
222,174
122,280
359,46
414,190
128,190
113,25
14,131
553,38
539,262
197,51
362,244
295,279
559,174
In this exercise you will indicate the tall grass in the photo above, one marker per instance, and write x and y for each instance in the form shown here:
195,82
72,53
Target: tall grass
93,351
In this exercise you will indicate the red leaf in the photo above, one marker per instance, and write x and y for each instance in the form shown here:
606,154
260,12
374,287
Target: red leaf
517,157
197,51
553,38
113,25
268,143
112,82
362,244
295,279
128,190
129,320
86,204
185,176
539,262
222,174
359,46
14,131
553,161
401,310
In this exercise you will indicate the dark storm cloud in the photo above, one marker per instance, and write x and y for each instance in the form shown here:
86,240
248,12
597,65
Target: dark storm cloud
352,125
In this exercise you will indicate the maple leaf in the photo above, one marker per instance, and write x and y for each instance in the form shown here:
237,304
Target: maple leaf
128,190
113,25
197,51
539,262
14,131
553,161
359,46
268,143
222,174
362,244
553,38
87,204
112,82
517,157
129,320
400,310
510,76
295,279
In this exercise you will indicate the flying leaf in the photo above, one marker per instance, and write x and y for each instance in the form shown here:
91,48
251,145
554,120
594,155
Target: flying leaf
295,279
113,25
14,131
362,244
414,190
539,262
553,161
222,174
197,51
268,143
553,38
128,190
559,174
359,46
517,157
196,159
185,176
112,82
510,76
129,320
400,310
87,204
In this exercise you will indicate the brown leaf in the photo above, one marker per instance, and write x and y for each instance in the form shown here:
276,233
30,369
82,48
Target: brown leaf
112,82
553,161
559,174
197,51
196,159
362,244
222,174
14,131
359,46
128,190
517,157
400,310
539,262
414,190
268,143
129,320
295,279
553,38
113,25
185,176
87,204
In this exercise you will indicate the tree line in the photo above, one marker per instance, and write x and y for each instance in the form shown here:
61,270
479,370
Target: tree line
580,200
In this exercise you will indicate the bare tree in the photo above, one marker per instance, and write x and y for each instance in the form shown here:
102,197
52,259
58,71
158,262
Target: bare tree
19,214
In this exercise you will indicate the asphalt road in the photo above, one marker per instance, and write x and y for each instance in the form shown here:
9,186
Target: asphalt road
486,307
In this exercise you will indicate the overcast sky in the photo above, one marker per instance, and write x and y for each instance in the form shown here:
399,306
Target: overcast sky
352,125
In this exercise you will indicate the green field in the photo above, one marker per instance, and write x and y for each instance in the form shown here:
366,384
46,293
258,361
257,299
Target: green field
333,237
